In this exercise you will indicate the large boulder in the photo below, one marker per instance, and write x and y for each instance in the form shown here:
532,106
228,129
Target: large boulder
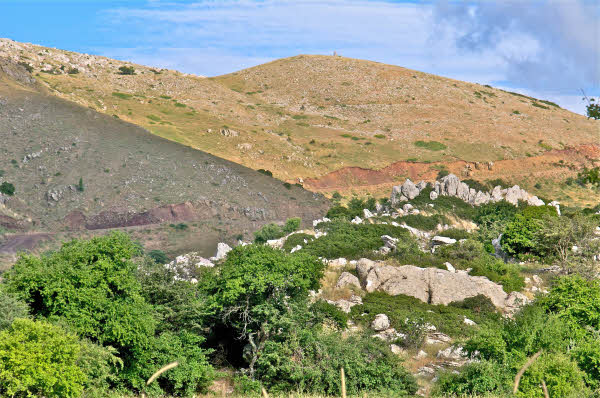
430,285
380,323
222,250
347,279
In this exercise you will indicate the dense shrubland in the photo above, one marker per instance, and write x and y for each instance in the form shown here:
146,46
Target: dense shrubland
98,317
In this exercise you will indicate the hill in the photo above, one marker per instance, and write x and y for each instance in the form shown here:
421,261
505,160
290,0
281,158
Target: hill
77,172
330,121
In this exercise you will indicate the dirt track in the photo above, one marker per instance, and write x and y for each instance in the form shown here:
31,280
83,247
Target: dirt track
21,242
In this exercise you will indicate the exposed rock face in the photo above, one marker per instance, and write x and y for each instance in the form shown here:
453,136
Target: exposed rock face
186,266
451,185
347,279
346,305
430,285
222,250
442,240
229,132
380,323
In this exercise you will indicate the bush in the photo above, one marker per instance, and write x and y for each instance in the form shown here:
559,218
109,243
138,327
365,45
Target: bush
291,225
425,223
353,241
10,309
7,188
39,359
295,240
404,311
265,172
274,231
159,256
331,312
478,304
309,361
126,70
92,286
193,374
562,376
475,378
455,233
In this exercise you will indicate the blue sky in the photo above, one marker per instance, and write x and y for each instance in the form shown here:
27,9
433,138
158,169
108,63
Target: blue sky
549,49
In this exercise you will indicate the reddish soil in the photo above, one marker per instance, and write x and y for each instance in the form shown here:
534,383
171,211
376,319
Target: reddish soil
555,163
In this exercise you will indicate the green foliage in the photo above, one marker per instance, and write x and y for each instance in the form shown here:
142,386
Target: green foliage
445,204
126,70
7,188
193,374
295,240
478,304
39,359
291,225
92,286
475,378
265,172
476,185
455,233
159,256
309,361
100,365
80,186
331,312
593,110
10,309
353,241
257,288
399,309
561,375
589,176
425,223
520,235
431,145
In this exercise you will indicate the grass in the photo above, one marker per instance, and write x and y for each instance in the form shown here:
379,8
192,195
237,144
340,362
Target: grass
430,145
122,95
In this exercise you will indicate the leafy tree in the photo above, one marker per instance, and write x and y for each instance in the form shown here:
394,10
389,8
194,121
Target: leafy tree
593,109
159,256
10,309
92,286
521,235
268,232
291,225
7,188
39,359
256,286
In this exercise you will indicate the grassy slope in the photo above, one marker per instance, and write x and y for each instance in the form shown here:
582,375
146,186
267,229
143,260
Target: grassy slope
126,170
308,115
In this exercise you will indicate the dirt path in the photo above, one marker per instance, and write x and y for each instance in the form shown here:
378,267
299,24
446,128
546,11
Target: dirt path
21,242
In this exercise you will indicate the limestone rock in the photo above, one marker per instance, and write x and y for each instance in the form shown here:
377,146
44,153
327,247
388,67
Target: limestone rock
346,305
357,220
367,213
442,240
433,195
187,265
222,250
380,323
347,279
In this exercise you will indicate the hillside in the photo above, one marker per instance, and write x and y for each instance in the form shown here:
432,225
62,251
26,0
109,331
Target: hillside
329,121
77,172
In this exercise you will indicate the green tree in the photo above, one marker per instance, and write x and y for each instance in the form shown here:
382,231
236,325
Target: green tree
80,186
92,286
256,286
39,359
10,309
7,188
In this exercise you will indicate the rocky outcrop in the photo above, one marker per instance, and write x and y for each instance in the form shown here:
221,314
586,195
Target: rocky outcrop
345,305
430,285
380,323
451,185
347,279
186,266
222,250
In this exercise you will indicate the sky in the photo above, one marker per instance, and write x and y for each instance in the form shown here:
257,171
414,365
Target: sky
547,49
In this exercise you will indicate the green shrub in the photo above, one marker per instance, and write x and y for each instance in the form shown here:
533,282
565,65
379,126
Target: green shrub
265,172
445,204
352,241
477,304
291,225
92,286
400,309
10,309
425,223
159,256
431,145
7,188
309,361
476,185
39,359
268,232
455,233
193,374
521,234
562,376
331,312
475,378
126,70
295,240
100,365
